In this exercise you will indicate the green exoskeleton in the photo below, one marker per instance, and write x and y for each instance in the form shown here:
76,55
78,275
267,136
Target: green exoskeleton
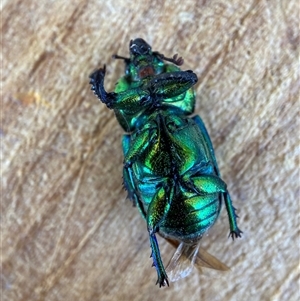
170,170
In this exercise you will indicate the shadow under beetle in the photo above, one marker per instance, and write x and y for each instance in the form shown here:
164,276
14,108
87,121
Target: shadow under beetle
170,170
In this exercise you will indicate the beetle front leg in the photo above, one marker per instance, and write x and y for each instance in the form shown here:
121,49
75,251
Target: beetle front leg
97,82
171,84
130,100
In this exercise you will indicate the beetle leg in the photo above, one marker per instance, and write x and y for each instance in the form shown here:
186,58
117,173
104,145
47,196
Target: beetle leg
162,86
138,146
159,206
127,173
171,84
162,277
206,184
203,130
132,191
157,210
130,155
97,82
128,99
126,143
234,230
126,59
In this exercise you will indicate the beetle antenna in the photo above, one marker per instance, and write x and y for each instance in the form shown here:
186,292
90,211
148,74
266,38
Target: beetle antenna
116,57
175,60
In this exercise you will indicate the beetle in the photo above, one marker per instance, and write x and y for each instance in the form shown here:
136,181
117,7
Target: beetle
170,170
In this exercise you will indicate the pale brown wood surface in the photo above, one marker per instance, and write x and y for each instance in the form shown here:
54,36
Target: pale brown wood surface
67,231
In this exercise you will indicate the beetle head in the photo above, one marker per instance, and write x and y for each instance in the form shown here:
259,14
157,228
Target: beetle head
139,47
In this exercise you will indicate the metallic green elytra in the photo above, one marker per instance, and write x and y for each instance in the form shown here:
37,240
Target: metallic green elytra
170,170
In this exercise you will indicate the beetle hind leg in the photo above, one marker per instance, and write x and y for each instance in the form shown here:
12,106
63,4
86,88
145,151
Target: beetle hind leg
157,210
162,278
235,232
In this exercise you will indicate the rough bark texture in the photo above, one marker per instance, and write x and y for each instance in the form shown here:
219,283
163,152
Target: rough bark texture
67,231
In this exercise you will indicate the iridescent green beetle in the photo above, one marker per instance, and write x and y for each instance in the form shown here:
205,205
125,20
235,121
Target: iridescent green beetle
170,170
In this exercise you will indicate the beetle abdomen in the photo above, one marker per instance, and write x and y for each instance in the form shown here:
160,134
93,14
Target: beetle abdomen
190,218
